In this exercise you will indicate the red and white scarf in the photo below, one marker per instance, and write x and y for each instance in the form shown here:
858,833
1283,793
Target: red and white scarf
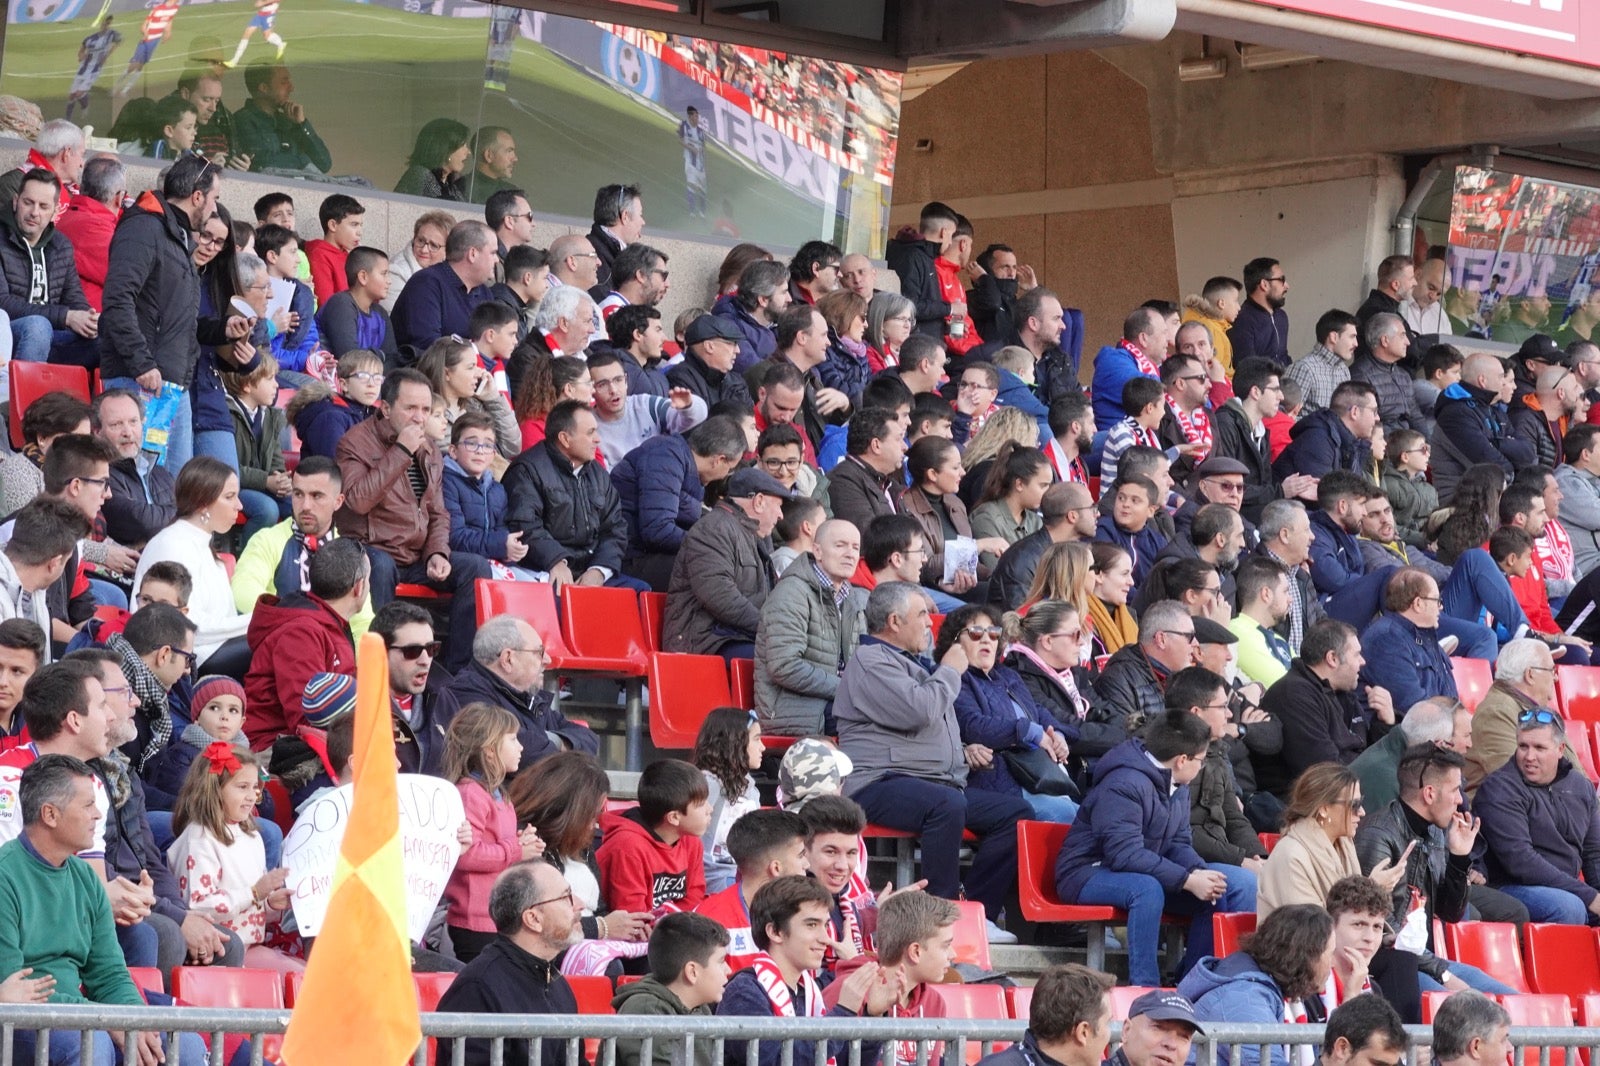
1196,428
770,978
1554,551
1146,367
1065,469
852,929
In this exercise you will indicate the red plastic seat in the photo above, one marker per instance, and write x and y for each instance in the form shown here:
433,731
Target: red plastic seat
220,986
1019,1001
1578,693
968,1001
683,690
291,988
937,622
1472,680
1491,947
1122,997
430,988
1038,844
282,805
29,381
742,682
147,978
1542,1011
604,630
594,997
652,611
1431,1001
534,603
1581,736
1561,959
972,935
1587,1009
1269,840
1226,929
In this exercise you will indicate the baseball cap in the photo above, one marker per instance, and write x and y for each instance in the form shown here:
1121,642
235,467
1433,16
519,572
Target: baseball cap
754,481
710,327
1163,1006
1221,464
811,768
1542,348
1208,632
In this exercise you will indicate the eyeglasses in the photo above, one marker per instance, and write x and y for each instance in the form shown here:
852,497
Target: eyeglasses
567,896
1215,706
520,214
1424,448
1280,277
188,656
1069,634
901,318
1193,377
208,240
781,464
1356,803
583,255
430,246
368,376
981,632
476,445
412,652
116,690
103,482
539,651
1186,634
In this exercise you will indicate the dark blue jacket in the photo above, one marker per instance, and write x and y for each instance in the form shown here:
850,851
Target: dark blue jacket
912,259
661,494
434,304
477,509
291,349
1471,428
322,424
1114,367
1257,332
1319,443
1405,660
1132,821
997,710
758,341
1144,545
539,724
209,403
1336,558
1014,392
743,998
1543,835
843,371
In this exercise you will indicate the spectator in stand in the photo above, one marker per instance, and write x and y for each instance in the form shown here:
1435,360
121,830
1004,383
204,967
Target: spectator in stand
89,222
279,248
201,86
494,155
258,427
1440,722
1138,354
1380,366
1327,365
722,573
897,723
527,280
535,919
1261,327
573,262
626,421
934,465
1131,845
707,367
814,272
1135,503
322,418
618,222
419,695
650,857
688,971
1067,514
638,278
1286,539
1216,307
437,301
477,502
44,541
51,416
890,318
22,652
1323,718
868,483
922,365
142,494
455,370
356,317
810,626
637,337
58,146
1542,824
1579,478
508,213
394,503
1338,438
1473,427
1069,1021
152,295
156,652
845,367
507,670
273,130
1401,647
1471,1029
426,248
1263,585
1009,509
1240,433
726,749
297,636
1523,507
913,257
563,503
1524,681
992,300
765,844
795,532
661,484
1221,832
561,327
732,268
547,381
438,162
1130,683
1412,497
1397,277
1544,414
342,218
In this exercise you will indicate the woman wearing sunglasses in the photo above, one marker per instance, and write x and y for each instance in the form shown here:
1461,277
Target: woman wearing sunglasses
1011,741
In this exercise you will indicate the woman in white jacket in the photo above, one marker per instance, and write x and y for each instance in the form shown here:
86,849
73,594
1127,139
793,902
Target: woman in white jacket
208,504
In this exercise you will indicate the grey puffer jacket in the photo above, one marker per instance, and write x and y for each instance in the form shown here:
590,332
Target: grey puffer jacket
802,645
1580,513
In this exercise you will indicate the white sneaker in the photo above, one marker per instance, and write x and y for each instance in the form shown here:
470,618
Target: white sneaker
998,935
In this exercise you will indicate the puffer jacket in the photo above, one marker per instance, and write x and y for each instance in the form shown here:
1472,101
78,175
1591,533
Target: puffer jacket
323,422
1013,574
710,385
89,224
661,494
1237,989
720,580
564,514
913,260
1319,443
1413,500
1472,428
477,508
1580,513
64,291
996,710
1431,871
1231,438
1198,309
843,369
1132,685
758,342
379,507
1397,396
1529,420
260,450
802,645
1217,823
152,295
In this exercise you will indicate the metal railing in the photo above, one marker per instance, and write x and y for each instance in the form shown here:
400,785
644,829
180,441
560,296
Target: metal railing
1222,1044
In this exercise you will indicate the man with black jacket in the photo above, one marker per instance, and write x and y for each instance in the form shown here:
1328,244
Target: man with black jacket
39,286
618,222
1472,426
1239,432
143,497
1131,687
419,696
867,482
1428,821
564,504
712,349
507,670
912,257
1397,276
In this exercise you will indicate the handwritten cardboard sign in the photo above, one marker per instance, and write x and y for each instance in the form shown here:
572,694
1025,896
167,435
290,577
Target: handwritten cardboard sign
430,816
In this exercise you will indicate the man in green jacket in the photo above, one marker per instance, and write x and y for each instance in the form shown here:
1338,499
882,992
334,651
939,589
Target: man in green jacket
688,971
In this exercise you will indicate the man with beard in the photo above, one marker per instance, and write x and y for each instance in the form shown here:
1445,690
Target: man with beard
1216,536
1240,433
1069,514
1262,327
418,695
1347,589
1381,544
992,300
1072,430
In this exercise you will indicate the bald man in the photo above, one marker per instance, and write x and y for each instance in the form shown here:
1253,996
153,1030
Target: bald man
1543,416
1069,514
1473,426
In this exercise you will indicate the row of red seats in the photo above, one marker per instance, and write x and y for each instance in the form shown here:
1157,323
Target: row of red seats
1577,687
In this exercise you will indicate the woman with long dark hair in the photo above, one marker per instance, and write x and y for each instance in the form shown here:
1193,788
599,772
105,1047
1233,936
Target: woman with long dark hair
1009,507
221,293
438,161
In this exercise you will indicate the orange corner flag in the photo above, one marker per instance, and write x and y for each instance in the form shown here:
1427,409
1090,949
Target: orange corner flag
358,1003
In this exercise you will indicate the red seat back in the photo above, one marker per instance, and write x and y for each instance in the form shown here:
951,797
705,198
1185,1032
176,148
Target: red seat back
1581,736
1038,844
742,681
1578,693
972,935
147,978
1122,998
683,690
652,612
1561,959
1019,1001
968,1001
532,601
1491,947
29,381
1587,1009
431,988
1544,1012
1431,1002
291,988
1269,840
604,623
1472,680
220,986
1226,929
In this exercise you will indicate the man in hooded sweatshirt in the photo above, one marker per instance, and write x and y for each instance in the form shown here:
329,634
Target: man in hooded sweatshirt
688,971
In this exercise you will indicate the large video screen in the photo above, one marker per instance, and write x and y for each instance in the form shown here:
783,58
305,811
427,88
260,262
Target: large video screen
780,148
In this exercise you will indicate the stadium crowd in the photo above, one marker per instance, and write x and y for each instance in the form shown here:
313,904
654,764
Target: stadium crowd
1208,602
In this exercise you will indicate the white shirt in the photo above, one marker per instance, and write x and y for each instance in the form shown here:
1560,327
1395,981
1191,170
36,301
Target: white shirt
211,605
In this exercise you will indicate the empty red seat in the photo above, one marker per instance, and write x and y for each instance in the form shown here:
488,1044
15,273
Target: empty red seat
1038,845
968,1001
1578,693
221,986
1019,1001
604,630
652,610
1122,998
683,690
1542,1011
1491,947
1581,736
972,935
742,682
1472,680
1561,959
147,978
1226,929
29,381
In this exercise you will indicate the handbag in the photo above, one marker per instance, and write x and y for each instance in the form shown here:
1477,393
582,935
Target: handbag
1037,772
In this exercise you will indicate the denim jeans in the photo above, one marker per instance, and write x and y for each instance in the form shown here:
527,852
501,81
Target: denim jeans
1547,904
180,442
107,595
1146,901
1061,809
220,445
1476,585
943,602
261,511
32,337
1474,978
66,1045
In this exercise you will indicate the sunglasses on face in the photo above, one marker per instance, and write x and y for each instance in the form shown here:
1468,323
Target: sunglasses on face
412,652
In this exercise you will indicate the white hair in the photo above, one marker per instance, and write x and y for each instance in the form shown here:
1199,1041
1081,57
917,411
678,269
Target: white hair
57,136
249,269
1429,721
1517,656
500,633
558,304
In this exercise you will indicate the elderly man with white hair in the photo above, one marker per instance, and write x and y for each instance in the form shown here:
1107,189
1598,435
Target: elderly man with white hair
1430,721
1524,680
59,148
561,327
507,670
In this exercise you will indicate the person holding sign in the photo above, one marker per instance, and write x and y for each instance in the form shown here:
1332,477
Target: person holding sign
481,751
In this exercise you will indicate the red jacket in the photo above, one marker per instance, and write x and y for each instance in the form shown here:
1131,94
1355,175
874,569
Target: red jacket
951,291
88,224
641,872
291,640
327,269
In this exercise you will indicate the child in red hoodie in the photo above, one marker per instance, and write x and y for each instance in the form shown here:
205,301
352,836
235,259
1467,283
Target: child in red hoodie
651,858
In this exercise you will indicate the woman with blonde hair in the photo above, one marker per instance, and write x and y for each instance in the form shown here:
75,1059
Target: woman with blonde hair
1318,843
1005,425
1065,572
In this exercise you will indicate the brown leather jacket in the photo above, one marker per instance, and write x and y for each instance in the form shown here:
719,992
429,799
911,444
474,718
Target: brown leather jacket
916,504
379,507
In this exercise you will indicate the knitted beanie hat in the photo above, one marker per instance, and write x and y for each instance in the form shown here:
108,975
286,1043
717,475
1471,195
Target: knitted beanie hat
328,698
209,688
